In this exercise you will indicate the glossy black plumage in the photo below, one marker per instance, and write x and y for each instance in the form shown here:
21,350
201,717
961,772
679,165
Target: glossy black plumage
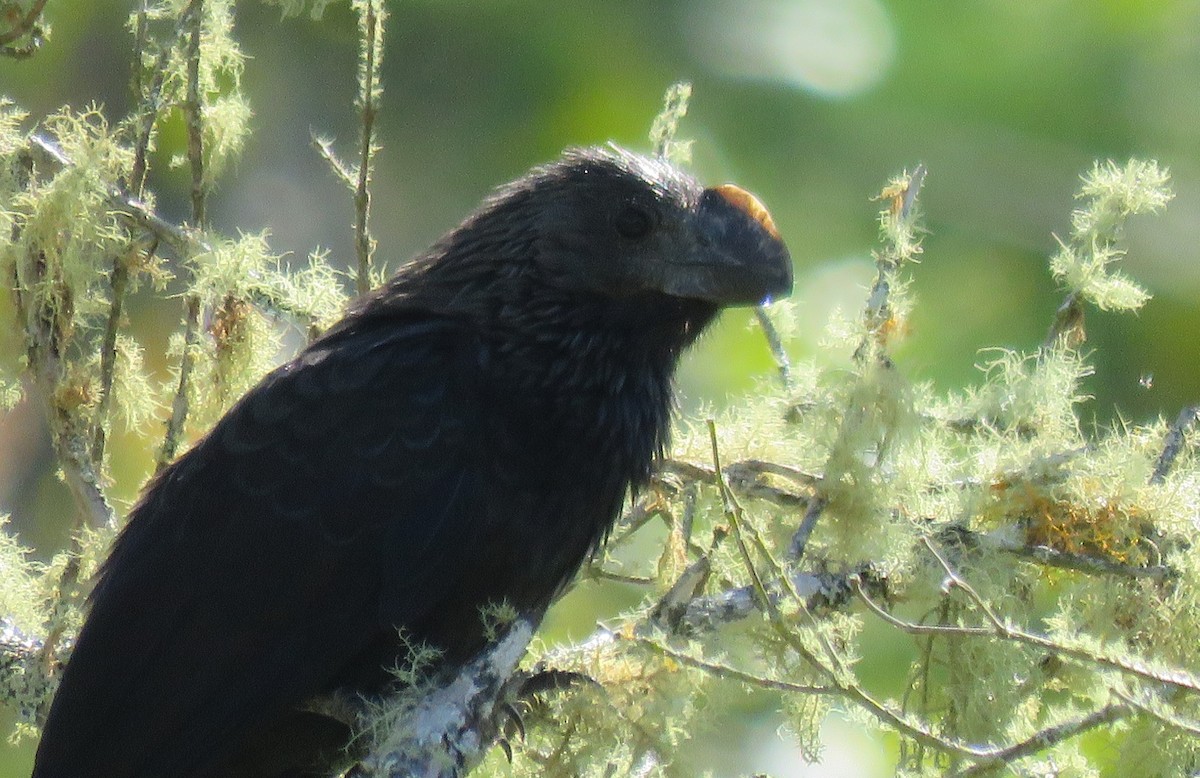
465,435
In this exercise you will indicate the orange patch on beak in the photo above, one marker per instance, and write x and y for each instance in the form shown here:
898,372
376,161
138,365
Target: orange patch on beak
750,205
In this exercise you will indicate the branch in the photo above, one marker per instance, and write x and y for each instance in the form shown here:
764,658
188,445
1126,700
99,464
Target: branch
193,19
22,26
445,730
1047,738
118,284
821,592
1176,437
775,343
27,680
180,403
1066,560
372,15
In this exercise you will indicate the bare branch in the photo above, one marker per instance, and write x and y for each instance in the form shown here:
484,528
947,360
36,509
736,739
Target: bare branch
347,174
26,25
193,19
1047,738
442,732
1176,437
180,404
372,15
775,343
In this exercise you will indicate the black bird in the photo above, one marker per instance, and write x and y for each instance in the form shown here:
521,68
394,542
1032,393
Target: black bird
465,435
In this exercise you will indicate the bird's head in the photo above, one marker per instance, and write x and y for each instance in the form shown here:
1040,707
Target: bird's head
619,224
601,236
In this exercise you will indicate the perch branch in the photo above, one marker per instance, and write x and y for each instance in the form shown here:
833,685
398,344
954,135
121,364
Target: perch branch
447,729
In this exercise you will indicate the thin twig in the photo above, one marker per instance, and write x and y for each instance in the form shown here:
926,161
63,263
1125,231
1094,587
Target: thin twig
345,173
1047,738
1082,563
915,181
775,343
1176,437
194,112
820,592
183,242
743,478
1190,727
734,514
118,283
371,54
148,110
728,672
119,276
800,539
26,25
180,404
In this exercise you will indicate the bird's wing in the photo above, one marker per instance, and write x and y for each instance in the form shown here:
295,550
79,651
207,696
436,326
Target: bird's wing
250,575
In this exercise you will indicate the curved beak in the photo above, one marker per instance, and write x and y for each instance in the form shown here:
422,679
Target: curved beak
738,257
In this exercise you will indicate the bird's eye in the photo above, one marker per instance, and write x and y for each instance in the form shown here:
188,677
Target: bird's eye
633,222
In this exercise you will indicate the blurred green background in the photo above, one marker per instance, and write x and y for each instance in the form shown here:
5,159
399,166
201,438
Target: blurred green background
812,104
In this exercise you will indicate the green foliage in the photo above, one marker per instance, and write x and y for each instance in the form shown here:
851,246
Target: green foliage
246,287
77,238
1112,193
665,125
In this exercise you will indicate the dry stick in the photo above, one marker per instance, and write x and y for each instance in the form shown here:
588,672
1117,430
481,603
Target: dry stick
1080,563
118,284
369,89
733,513
193,111
1047,738
1190,727
180,403
800,539
151,103
191,335
23,25
988,759
739,478
921,676
324,146
835,670
26,25
1176,437
775,343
